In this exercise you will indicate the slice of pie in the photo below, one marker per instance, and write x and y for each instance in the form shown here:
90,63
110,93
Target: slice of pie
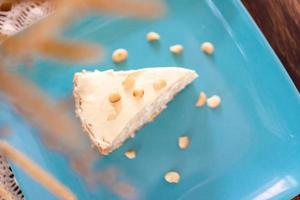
113,105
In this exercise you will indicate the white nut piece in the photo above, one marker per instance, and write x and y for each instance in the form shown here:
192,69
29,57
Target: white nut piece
159,84
111,117
114,97
172,177
201,100
213,101
139,93
119,55
207,48
128,83
183,142
176,49
130,154
153,36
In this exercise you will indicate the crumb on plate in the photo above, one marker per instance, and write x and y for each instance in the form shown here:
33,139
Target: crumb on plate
176,49
153,36
119,55
201,99
208,48
130,154
213,101
183,142
172,177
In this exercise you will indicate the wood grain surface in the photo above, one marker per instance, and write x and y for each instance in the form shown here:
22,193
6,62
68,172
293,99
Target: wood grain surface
279,20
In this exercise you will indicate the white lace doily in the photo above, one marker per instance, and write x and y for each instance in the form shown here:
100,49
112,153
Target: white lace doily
8,181
19,14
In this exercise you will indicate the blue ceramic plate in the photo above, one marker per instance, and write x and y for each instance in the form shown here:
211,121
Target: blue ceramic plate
248,148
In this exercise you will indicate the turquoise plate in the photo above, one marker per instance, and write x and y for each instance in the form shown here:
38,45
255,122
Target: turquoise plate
248,148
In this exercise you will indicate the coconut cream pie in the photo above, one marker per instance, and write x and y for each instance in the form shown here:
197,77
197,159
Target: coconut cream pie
113,105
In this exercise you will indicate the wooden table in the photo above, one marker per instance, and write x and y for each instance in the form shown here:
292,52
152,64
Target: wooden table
279,20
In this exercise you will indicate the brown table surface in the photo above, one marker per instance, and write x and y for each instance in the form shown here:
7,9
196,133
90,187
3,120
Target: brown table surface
279,20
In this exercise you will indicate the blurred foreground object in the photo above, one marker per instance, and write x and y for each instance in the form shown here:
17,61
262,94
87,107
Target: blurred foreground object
32,27
41,38
37,173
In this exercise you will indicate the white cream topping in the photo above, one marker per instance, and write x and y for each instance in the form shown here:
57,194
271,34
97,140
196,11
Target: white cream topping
93,89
